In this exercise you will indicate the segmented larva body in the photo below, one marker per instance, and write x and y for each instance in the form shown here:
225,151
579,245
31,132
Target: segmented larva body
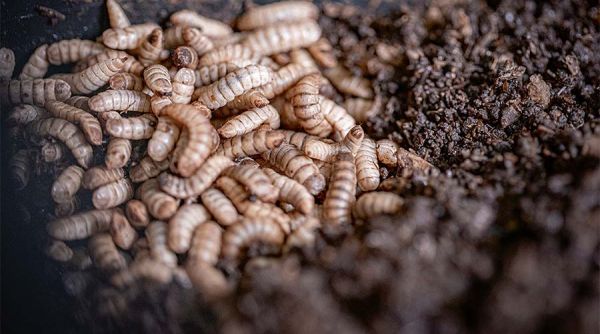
163,139
362,109
94,77
67,184
127,38
291,191
377,203
20,168
252,143
205,244
337,116
105,254
205,75
156,233
304,236
134,128
52,152
126,81
81,225
147,168
209,281
137,213
249,121
208,26
185,56
234,84
67,208
88,123
367,166
198,41
255,180
197,183
283,79
25,114
145,269
67,133
121,231
159,204
183,86
36,92
322,53
200,142
227,53
305,99
7,63
182,225
151,50
342,188
302,57
116,15
387,152
296,165
37,65
158,102
157,78
347,83
59,251
121,100
131,65
251,99
220,207
112,194
100,175
282,37
238,237
285,11
72,50
298,139
118,152
327,152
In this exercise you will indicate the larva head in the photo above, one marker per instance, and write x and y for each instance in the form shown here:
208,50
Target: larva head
62,90
315,183
274,138
356,135
185,56
156,37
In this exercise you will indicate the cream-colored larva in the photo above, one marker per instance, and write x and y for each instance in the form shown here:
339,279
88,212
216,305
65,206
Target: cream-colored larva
127,38
72,50
36,92
67,133
112,194
160,205
255,180
134,128
99,175
105,254
208,26
303,236
327,152
220,207
67,184
285,11
20,168
118,152
37,65
67,208
362,109
251,99
298,139
158,80
25,113
147,168
126,81
182,225
158,102
305,99
208,281
341,192
120,100
205,244
94,77
185,56
163,139
252,143
137,213
156,233
205,75
183,86
151,49
238,237
59,251
302,57
198,182
123,234
322,52
296,165
367,166
227,53
116,15
88,123
347,83
249,121
282,37
198,41
7,63
52,152
337,116
291,191
387,152
81,225
131,65
377,203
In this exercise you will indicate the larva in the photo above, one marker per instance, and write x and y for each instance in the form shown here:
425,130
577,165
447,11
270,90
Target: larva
59,251
67,208
305,99
200,142
126,81
251,99
282,37
362,109
81,225
185,56
7,63
67,184
67,133
158,102
183,86
298,139
367,166
147,168
112,194
174,37
100,175
37,65
410,162
121,231
158,80
387,152
304,236
116,15
134,128
255,180
207,280
198,41
285,11
163,139
220,207
120,100
208,26
252,143
72,50
159,204
36,92
105,254
327,152
156,233
291,191
346,83
296,165
337,116
205,244
127,38
239,237
146,269
25,113
151,49
377,203
52,152
94,77
197,183
118,153
227,53
342,188
205,75
81,102
182,225
249,121
131,65
137,213
234,84
302,57
88,123
20,169
322,52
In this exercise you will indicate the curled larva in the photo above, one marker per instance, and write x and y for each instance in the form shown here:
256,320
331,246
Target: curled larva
220,207
305,99
160,205
205,244
131,65
157,78
51,152
37,65
255,180
347,83
282,37
337,116
227,53
145,269
198,182
25,114
208,26
67,133
367,166
322,52
94,77
185,56
285,11
156,233
151,49
183,86
249,121
36,92
59,251
100,175
263,233
134,128
20,169
198,41
234,84
137,213
147,168
362,109
112,194
158,102
342,188
163,139
327,152
291,191
127,38
182,225
72,50
105,254
252,143
387,152
298,139
81,225
205,75
296,165
67,208
123,234
67,184
377,203
88,123
120,100
118,152
7,63
116,15
126,81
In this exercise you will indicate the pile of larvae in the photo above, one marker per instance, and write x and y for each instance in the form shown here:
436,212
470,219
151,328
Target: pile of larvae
245,151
